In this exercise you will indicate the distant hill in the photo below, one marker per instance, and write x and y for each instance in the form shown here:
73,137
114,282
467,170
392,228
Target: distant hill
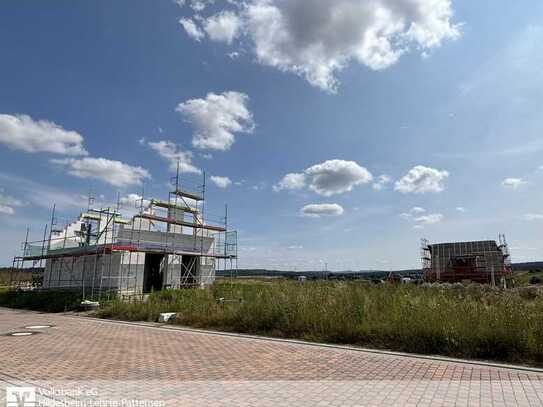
332,275
532,265
366,274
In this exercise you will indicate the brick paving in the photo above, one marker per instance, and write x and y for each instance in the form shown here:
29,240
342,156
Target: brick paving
115,361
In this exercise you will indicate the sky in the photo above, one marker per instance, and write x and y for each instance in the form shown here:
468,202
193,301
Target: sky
338,132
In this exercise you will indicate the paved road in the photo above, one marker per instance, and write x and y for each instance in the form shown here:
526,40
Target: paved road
82,360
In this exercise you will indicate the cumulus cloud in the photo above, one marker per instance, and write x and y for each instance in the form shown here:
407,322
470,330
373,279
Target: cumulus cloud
513,183
34,136
6,210
192,28
133,201
460,209
292,181
381,182
221,182
316,39
336,177
224,26
112,172
422,179
325,209
328,178
217,118
131,204
170,152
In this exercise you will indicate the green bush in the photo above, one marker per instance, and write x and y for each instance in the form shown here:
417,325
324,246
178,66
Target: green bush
469,321
534,280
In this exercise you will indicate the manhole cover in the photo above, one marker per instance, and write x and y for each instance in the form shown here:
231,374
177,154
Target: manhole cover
38,326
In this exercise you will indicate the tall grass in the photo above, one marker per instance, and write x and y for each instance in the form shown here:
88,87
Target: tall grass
465,322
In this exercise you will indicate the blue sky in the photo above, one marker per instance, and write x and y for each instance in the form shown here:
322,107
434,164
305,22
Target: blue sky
445,102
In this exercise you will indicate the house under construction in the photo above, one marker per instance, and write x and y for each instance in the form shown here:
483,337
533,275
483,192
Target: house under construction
485,262
162,244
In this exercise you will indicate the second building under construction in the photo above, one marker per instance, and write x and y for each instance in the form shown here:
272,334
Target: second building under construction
485,261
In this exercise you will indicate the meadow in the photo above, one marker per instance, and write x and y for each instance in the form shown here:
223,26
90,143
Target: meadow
475,322
472,322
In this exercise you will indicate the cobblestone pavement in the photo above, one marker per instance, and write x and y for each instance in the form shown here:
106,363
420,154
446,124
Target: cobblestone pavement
101,361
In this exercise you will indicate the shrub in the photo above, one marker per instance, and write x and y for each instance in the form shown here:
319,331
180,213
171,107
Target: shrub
535,280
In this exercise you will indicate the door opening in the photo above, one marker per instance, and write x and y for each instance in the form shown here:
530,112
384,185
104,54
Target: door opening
152,274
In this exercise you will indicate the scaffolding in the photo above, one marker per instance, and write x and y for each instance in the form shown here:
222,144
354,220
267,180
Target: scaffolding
485,262
165,244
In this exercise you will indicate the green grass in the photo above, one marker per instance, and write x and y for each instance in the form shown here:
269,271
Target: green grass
47,301
523,278
464,322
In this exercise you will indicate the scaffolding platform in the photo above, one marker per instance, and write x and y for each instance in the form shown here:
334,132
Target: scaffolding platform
103,252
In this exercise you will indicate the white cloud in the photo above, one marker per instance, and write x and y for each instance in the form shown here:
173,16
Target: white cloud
6,210
131,204
461,209
169,151
292,181
316,39
417,209
7,204
382,182
196,5
112,172
325,209
533,216
133,200
429,219
224,26
221,182
336,177
513,183
192,29
23,133
415,215
327,178
421,179
217,118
